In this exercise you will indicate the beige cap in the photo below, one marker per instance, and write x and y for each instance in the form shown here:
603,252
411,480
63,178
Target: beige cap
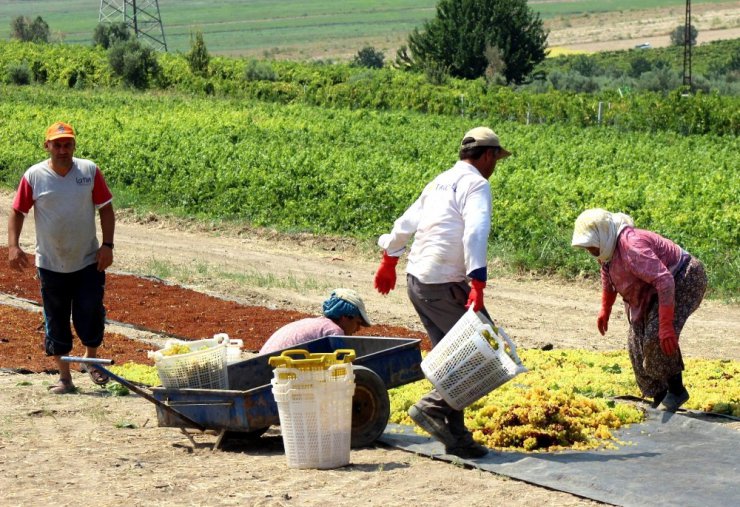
483,136
354,298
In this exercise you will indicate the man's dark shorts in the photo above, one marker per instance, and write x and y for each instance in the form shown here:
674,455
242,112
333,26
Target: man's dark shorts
79,294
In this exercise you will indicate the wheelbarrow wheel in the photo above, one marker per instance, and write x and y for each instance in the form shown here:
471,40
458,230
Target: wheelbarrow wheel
371,407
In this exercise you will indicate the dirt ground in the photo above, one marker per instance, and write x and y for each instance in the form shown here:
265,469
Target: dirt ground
57,449
590,32
624,30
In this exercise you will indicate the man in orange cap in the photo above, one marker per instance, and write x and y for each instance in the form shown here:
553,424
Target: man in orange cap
65,192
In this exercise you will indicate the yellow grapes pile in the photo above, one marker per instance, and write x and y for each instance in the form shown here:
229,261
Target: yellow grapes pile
176,349
550,421
566,400
139,373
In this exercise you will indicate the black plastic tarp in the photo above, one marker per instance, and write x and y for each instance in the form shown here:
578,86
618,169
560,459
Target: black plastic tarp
670,459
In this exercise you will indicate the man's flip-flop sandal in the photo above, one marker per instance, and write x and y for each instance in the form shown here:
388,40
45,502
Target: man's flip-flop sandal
97,376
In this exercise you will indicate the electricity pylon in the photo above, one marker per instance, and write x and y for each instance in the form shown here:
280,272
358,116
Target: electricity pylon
142,16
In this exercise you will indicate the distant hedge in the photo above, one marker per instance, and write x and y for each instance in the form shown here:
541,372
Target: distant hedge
344,86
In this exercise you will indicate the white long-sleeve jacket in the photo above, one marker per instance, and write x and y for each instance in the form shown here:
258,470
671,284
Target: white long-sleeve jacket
451,221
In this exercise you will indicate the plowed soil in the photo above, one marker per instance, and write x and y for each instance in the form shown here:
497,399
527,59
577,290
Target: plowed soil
148,304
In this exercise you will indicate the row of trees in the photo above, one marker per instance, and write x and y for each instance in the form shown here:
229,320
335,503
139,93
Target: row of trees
500,40
467,39
26,30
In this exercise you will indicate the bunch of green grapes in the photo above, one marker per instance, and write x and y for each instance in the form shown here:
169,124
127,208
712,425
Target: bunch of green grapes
140,373
714,385
176,349
546,420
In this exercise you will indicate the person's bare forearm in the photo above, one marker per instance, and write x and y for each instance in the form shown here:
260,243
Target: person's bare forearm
15,226
107,222
16,256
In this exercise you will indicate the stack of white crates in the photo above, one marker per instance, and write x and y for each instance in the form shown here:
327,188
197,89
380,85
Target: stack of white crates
314,393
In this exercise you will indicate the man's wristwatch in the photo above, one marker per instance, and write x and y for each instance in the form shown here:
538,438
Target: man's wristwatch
109,245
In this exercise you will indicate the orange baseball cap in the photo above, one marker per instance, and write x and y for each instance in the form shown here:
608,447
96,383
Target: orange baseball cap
58,130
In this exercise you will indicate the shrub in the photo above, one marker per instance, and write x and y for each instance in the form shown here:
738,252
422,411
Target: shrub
678,35
369,57
198,57
259,71
638,66
135,63
585,66
436,73
108,34
495,73
19,73
25,30
661,79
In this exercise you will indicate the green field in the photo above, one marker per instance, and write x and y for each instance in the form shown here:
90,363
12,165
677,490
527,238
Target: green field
260,26
352,172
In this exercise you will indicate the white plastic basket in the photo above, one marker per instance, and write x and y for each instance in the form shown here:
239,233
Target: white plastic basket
233,347
464,366
203,368
316,424
314,393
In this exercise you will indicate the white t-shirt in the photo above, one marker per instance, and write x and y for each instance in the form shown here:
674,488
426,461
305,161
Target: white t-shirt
451,221
64,213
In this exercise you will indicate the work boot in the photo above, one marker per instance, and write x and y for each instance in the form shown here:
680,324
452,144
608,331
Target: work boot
469,450
658,398
673,401
465,447
456,423
434,424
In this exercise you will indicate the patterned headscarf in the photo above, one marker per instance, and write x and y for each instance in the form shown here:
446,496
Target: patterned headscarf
600,228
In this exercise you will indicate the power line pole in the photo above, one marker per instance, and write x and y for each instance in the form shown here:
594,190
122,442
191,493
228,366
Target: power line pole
687,46
142,16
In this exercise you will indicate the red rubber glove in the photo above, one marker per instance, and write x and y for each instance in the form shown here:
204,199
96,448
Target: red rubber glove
475,297
666,333
385,277
607,301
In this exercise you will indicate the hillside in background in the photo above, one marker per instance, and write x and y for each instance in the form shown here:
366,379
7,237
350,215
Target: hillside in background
332,29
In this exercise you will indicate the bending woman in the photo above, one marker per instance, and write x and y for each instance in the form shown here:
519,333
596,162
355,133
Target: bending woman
661,285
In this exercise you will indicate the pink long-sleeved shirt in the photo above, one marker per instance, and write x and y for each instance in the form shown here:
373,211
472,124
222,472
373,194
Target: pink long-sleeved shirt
643,263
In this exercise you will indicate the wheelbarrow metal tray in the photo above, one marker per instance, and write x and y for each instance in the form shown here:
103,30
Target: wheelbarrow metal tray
396,360
218,409
249,405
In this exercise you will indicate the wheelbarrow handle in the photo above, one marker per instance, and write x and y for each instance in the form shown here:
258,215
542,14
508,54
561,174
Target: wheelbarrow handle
97,362
86,360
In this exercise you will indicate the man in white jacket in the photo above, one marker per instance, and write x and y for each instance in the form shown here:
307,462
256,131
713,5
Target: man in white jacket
450,222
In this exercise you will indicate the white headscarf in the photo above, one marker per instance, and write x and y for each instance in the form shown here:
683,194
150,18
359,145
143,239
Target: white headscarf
600,228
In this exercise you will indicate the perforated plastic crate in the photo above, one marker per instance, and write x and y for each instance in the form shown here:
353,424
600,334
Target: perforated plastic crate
464,366
203,368
316,424
314,393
